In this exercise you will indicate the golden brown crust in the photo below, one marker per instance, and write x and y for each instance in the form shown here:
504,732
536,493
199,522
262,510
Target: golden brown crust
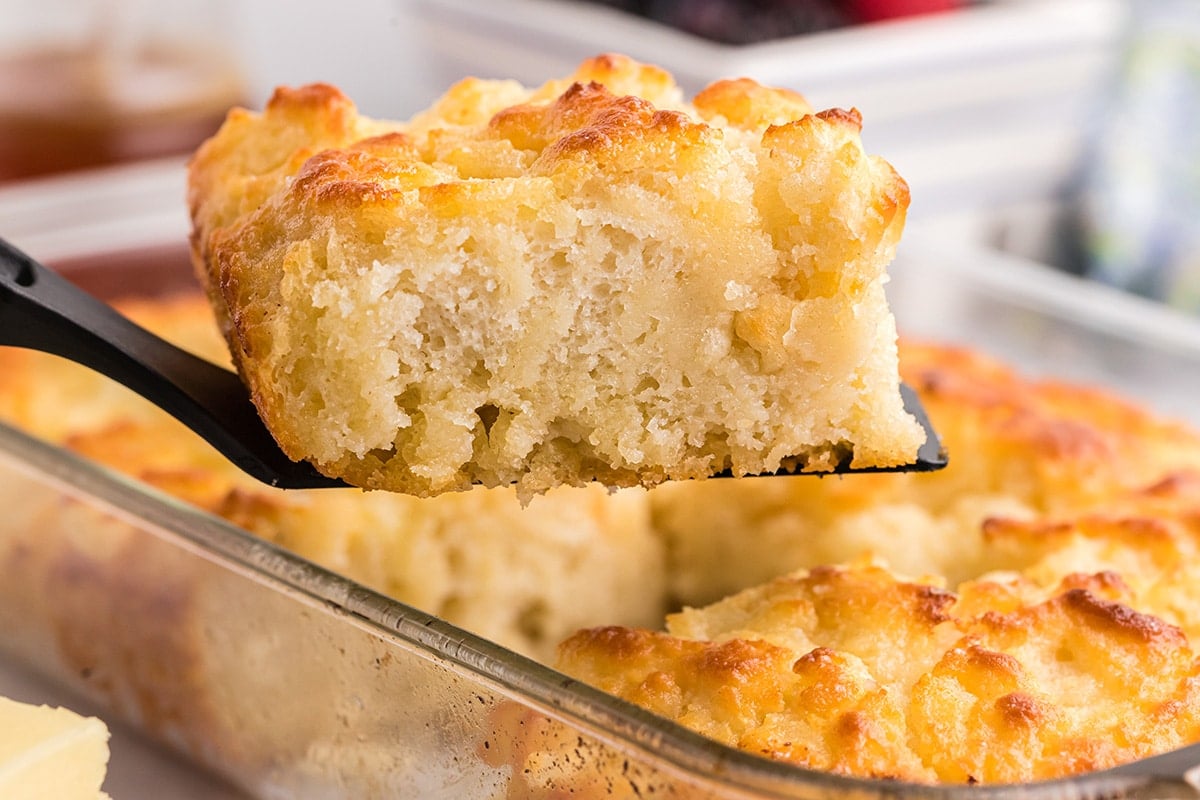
853,682
1050,421
632,287
749,105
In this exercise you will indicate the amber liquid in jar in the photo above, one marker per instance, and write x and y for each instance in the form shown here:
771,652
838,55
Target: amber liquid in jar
64,109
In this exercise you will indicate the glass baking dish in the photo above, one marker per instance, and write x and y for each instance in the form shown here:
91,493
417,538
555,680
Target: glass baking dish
294,682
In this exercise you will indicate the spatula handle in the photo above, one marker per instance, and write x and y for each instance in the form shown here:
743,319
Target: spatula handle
40,310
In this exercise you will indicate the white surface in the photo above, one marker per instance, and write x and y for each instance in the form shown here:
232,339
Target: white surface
137,770
109,209
368,48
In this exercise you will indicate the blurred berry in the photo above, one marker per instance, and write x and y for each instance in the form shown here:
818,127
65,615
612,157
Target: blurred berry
750,21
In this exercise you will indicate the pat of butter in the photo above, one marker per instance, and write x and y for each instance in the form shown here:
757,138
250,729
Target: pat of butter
50,753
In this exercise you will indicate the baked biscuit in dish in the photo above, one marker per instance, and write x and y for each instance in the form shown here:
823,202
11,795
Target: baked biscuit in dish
858,671
593,279
1047,630
1021,448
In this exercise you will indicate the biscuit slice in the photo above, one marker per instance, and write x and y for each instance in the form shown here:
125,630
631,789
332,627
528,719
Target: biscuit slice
591,280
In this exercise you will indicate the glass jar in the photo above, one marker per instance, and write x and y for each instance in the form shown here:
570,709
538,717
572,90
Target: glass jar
91,82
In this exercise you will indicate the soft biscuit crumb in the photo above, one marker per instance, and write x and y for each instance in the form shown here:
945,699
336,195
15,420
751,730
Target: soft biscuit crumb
590,280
